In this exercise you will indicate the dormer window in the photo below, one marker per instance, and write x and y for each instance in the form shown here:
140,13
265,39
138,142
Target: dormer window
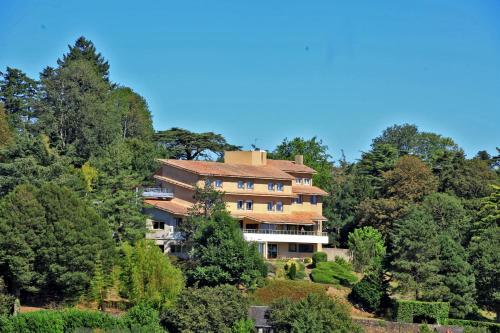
298,180
241,184
307,181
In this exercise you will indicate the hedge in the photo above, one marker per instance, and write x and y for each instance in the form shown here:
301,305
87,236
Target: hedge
318,257
334,273
407,310
71,320
490,326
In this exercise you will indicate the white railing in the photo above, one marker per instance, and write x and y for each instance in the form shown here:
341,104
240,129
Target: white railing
284,232
157,192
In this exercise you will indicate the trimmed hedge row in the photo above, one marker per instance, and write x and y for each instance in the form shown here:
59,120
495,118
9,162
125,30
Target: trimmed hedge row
72,320
490,326
407,310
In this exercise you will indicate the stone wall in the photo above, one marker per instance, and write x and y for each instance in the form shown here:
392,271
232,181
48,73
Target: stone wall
382,326
336,252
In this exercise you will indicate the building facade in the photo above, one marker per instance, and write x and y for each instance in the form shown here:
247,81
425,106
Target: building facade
275,202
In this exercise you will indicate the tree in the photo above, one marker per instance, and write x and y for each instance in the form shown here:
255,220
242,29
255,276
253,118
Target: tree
148,276
317,313
223,256
374,163
416,254
458,277
49,241
489,212
410,180
19,93
371,293
315,156
5,131
84,49
381,214
73,110
186,145
408,140
449,214
206,310
367,247
133,112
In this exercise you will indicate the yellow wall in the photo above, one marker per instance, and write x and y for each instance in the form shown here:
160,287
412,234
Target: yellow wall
245,157
259,203
179,175
230,184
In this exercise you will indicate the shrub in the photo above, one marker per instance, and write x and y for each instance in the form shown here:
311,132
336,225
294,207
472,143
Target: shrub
6,300
342,262
292,271
207,309
276,289
317,313
307,260
407,310
143,316
367,247
319,257
243,326
470,325
370,293
332,272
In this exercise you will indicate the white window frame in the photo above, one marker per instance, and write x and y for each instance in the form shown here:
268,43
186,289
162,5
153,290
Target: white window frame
241,184
279,187
298,180
307,181
242,205
250,184
270,186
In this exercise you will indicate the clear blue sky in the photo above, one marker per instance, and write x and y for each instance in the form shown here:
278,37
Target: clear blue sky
266,70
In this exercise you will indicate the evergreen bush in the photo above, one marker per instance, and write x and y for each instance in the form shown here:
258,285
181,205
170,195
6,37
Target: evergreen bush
407,310
319,257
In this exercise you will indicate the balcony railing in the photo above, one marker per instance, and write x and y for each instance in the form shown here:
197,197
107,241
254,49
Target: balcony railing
157,192
285,232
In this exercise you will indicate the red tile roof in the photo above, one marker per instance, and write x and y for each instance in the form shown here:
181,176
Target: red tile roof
207,168
172,206
308,189
290,166
303,218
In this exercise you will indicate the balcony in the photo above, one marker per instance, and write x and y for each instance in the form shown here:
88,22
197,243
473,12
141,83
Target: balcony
157,192
285,236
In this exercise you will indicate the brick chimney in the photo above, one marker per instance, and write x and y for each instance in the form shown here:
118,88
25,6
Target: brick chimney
299,159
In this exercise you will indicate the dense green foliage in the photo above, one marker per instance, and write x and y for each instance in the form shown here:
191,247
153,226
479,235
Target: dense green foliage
315,313
489,327
49,239
318,257
148,276
206,310
276,289
222,255
141,319
406,311
367,248
371,293
334,273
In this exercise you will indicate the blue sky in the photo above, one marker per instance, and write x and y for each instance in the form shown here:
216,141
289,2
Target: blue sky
260,71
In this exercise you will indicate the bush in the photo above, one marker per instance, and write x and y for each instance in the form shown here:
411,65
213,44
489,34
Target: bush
277,289
316,313
367,247
342,262
6,300
407,310
73,320
243,326
292,271
207,309
333,273
307,260
370,293
470,325
319,257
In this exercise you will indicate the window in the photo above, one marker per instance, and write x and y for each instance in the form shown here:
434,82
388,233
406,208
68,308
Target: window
298,180
162,248
239,204
218,183
174,248
270,206
158,225
241,184
208,182
298,199
307,181
177,221
249,205
270,186
279,206
306,248
314,200
250,185
280,187
292,247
